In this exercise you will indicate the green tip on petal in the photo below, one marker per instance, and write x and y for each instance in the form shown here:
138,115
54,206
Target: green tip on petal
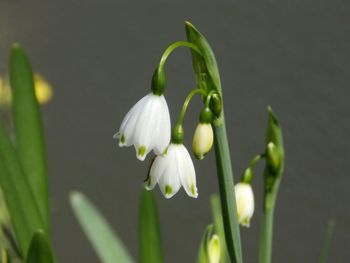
142,151
193,189
122,139
168,190
246,222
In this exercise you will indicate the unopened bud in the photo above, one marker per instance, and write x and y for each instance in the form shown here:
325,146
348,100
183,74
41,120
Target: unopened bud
202,140
214,249
245,203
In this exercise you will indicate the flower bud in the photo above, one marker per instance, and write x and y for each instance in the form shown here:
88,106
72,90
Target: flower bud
202,140
203,136
245,203
214,249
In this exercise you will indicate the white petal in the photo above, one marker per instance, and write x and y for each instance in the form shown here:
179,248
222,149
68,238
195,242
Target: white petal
127,127
169,182
163,131
187,172
156,171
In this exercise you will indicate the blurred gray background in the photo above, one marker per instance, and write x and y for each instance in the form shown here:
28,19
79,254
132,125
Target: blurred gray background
100,55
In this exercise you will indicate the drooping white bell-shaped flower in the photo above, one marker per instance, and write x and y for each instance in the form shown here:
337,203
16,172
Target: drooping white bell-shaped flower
146,126
245,203
171,170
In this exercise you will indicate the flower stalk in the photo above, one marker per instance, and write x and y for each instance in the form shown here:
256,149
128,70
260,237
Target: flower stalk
274,157
208,78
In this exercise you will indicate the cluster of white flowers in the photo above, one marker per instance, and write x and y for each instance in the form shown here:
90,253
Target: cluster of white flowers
147,127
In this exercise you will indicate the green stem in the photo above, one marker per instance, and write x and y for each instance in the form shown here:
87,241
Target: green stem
226,187
266,235
327,242
175,45
265,253
187,102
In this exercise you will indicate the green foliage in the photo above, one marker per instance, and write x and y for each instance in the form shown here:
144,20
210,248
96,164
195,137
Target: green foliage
29,138
203,248
219,227
204,66
107,245
25,215
149,230
40,249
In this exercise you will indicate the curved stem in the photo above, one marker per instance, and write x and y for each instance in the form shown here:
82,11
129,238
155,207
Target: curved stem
186,103
175,45
210,94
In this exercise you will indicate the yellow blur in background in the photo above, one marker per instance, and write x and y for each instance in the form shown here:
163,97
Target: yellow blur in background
43,90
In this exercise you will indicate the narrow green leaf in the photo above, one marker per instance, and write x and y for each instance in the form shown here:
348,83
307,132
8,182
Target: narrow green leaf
327,242
28,129
25,215
40,249
203,248
219,227
149,229
107,245
206,64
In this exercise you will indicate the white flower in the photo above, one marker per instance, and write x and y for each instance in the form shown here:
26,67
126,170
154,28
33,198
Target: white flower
146,126
245,203
171,170
202,140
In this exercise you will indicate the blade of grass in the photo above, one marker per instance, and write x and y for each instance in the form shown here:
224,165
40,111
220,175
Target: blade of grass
149,230
203,248
107,245
28,129
40,249
25,215
327,242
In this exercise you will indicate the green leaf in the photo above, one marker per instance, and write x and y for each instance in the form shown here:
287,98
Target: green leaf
203,248
219,227
204,66
28,129
327,242
5,256
25,215
40,249
107,245
149,229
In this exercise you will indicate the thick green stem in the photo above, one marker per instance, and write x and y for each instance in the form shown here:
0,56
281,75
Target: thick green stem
266,236
227,194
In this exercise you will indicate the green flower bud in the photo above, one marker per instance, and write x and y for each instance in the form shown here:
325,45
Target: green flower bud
216,104
202,140
158,81
274,144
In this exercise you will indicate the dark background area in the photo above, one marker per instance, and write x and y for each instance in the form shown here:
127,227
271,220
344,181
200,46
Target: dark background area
100,56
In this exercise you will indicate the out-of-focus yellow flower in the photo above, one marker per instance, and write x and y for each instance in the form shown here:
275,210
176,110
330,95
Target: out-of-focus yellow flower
43,90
